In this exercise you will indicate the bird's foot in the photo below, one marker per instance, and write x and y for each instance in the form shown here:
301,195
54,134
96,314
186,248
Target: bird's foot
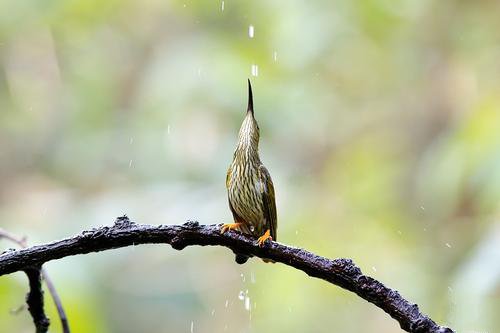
262,239
230,226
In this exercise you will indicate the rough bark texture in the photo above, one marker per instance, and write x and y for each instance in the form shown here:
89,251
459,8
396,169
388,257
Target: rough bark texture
34,299
22,242
341,272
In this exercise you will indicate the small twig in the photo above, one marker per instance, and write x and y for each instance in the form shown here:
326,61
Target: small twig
18,310
341,272
22,242
57,302
34,299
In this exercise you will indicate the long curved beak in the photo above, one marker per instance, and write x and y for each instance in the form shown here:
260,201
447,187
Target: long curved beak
250,98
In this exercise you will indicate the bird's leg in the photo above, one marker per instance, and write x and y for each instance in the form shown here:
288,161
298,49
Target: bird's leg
262,239
230,226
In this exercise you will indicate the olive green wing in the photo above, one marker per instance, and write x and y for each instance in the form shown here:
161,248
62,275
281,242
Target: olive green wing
268,200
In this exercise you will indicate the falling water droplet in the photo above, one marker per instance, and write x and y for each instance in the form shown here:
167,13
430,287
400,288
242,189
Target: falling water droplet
252,277
168,129
255,70
222,6
247,303
448,245
374,269
227,303
213,312
250,31
241,296
192,327
275,56
130,164
131,141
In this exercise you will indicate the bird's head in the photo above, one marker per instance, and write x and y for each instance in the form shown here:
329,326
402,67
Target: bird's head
249,131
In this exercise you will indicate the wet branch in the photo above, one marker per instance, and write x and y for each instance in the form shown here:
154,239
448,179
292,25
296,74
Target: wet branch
34,299
341,272
22,242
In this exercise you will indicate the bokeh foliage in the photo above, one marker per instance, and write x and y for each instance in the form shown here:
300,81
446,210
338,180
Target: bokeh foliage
380,126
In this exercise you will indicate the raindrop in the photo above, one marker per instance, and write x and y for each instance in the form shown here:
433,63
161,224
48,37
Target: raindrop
247,303
241,296
296,232
252,277
275,56
242,277
399,232
255,70
130,164
448,245
227,303
222,6
131,141
374,269
192,327
422,207
213,312
250,31
168,129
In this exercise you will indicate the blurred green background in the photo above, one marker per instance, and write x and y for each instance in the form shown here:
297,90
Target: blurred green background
380,124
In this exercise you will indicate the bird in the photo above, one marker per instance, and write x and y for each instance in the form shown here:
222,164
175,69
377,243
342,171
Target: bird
249,186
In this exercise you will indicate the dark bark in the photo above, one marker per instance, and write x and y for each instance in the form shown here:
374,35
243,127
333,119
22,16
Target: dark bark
22,242
341,272
34,299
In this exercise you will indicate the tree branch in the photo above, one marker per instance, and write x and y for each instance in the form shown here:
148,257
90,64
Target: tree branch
22,242
341,272
34,299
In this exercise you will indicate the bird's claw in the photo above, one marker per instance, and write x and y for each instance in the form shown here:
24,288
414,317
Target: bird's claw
229,226
262,239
